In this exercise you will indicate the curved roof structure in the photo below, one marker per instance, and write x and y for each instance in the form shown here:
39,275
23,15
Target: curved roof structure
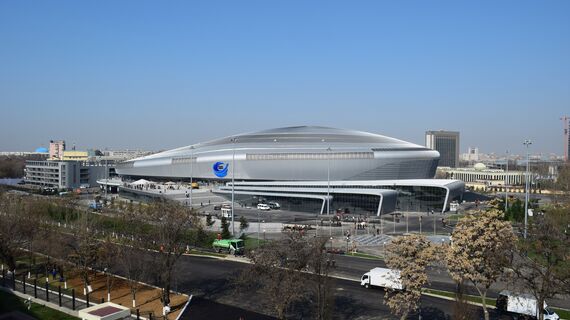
291,153
294,137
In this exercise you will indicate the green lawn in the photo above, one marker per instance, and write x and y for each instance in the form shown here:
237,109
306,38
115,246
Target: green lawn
364,255
10,302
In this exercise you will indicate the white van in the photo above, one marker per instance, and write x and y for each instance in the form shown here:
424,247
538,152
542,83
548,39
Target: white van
263,206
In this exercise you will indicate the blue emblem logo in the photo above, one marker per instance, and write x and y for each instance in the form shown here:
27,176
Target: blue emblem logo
220,169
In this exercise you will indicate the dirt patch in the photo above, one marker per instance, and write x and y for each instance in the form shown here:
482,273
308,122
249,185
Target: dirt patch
147,297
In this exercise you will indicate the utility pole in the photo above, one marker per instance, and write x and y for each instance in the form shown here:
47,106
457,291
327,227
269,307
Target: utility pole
233,182
527,144
507,183
328,180
191,173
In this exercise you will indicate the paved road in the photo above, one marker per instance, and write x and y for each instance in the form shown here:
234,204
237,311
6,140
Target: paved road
210,279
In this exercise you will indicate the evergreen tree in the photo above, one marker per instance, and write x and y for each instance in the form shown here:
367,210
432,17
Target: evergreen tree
225,229
243,224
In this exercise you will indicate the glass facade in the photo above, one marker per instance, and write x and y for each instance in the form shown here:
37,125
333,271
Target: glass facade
408,199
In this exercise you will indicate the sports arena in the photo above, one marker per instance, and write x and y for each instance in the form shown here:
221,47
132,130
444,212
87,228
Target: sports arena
306,167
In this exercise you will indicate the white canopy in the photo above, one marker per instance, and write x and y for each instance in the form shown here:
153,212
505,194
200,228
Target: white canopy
140,182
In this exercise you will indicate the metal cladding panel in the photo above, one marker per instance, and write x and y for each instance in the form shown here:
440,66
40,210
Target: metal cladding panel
297,153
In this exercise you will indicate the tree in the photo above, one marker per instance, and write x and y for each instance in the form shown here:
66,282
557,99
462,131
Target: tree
321,284
481,247
275,273
225,229
135,263
209,221
243,224
134,260
19,225
84,248
542,264
171,222
410,255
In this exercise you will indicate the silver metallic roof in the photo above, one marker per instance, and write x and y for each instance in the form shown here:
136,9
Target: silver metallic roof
292,137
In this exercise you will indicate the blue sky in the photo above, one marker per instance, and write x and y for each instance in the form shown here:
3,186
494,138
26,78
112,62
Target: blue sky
163,74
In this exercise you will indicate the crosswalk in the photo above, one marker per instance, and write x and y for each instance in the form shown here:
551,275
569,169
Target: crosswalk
372,240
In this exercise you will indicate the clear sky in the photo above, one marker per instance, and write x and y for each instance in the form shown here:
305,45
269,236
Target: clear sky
163,74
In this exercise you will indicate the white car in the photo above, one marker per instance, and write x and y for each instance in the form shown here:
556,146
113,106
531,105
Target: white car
263,206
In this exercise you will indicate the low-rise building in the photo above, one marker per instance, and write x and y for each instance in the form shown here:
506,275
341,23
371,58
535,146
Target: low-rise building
479,173
64,174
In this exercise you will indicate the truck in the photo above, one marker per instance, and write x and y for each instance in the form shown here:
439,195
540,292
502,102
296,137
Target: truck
95,205
522,306
232,246
382,277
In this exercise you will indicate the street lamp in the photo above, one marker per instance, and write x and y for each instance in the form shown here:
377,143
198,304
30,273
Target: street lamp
233,140
191,173
506,183
527,144
328,179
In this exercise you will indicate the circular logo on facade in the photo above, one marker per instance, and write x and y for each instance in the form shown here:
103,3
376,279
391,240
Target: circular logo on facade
220,169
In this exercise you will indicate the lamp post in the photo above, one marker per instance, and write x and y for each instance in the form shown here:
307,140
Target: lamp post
506,183
233,181
191,173
329,188
328,179
527,144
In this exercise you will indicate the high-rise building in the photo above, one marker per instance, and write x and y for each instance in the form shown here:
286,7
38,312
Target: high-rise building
447,143
566,121
56,149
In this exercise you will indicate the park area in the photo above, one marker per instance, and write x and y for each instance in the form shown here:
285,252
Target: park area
148,298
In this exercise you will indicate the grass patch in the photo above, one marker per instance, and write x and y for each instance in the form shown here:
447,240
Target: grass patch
564,314
206,253
364,255
253,243
470,298
10,302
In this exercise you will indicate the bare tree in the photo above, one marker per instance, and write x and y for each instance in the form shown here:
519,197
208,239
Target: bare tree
135,263
133,259
19,224
275,273
320,264
84,248
171,223
481,247
542,266
410,255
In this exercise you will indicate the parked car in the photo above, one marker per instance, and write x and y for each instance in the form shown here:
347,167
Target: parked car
217,207
263,206
274,205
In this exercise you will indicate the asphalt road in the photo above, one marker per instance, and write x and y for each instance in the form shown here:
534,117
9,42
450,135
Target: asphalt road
210,280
